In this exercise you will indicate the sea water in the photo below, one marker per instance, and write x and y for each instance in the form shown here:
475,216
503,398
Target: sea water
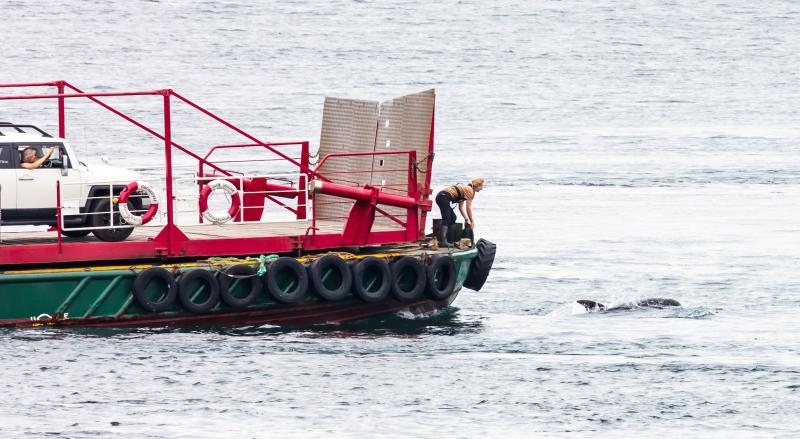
630,150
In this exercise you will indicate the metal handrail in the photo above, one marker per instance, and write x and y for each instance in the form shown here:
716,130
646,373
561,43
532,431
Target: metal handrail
168,97
169,144
412,178
315,172
301,205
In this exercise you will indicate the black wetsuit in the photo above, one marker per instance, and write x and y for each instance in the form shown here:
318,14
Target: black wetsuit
443,200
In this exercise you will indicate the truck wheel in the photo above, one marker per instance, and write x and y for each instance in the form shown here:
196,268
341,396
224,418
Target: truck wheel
75,233
101,218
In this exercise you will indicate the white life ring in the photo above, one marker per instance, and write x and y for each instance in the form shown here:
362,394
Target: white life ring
228,188
122,202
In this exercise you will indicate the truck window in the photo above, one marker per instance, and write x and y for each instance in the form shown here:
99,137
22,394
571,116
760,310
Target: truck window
55,159
5,156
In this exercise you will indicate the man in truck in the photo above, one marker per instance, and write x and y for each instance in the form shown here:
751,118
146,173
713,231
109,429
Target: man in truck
30,159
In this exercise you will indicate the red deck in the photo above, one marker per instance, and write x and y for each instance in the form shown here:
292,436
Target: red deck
399,203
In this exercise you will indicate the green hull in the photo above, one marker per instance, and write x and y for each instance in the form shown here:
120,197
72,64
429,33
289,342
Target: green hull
102,296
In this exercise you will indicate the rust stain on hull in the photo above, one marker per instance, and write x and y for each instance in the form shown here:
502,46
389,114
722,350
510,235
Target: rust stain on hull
303,314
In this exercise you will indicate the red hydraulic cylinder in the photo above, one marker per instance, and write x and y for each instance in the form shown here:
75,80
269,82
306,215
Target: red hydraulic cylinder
361,217
362,194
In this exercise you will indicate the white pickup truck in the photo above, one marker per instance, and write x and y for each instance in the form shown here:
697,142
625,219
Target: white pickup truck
29,196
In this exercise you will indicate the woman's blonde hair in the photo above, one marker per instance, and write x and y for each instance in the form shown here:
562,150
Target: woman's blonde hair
476,182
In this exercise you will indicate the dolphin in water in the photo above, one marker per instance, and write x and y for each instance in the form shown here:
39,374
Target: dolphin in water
655,302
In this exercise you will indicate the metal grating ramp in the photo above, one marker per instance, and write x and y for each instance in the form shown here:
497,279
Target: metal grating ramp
349,125
405,124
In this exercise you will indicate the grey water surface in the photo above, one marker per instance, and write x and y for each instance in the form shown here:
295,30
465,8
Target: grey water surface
631,150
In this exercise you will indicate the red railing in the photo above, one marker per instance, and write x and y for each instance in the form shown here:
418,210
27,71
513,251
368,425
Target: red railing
303,160
411,185
171,235
167,95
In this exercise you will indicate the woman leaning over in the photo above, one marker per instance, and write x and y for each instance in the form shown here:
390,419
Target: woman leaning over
461,194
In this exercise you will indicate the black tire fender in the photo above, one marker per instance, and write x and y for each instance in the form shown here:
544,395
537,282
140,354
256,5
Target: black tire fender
401,270
247,273
186,283
144,278
441,274
329,265
281,268
372,267
481,265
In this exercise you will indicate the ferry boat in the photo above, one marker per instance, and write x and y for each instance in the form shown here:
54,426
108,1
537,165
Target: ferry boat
243,233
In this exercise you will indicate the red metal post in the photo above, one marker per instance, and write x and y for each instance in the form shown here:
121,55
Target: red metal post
58,213
168,163
302,181
62,127
313,214
412,221
361,217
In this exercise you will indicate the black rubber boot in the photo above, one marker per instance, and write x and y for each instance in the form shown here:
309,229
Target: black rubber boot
443,242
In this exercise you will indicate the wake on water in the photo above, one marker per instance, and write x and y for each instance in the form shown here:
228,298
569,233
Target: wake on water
634,306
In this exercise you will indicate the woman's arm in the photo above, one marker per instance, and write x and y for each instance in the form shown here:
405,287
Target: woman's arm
469,212
461,209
